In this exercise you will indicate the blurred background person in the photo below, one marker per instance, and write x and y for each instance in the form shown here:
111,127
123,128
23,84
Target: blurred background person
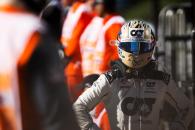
78,17
104,27
52,14
89,39
112,22
33,93
66,6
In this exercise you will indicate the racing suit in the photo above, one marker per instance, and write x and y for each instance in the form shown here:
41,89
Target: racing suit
136,103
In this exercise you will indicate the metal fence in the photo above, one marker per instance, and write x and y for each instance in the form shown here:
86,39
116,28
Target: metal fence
175,41
175,45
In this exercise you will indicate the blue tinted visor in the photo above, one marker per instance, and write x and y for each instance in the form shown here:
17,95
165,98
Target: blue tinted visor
136,47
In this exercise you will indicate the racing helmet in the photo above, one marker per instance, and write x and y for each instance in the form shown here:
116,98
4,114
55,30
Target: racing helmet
136,43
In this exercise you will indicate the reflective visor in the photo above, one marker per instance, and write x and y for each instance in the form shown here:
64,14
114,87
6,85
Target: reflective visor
136,47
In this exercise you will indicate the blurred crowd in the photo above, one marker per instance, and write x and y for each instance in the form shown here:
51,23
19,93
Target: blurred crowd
48,50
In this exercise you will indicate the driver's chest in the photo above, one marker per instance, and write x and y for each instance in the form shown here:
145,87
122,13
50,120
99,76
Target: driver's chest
140,98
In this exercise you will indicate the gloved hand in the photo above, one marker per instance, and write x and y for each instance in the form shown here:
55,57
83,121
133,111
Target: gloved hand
118,70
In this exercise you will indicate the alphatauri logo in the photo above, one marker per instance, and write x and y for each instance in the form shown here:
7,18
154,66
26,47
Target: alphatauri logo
136,34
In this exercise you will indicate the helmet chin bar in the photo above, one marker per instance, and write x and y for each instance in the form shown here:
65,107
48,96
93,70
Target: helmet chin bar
135,61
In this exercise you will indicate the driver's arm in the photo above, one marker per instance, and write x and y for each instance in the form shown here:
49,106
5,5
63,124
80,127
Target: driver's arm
88,100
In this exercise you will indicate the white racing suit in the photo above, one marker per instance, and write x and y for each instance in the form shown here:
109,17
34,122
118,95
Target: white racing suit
135,104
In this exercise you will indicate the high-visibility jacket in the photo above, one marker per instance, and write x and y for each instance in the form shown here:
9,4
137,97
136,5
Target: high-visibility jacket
105,51
88,44
77,20
33,95
100,117
71,21
17,41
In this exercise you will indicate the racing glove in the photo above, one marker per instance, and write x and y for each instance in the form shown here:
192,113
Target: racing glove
118,70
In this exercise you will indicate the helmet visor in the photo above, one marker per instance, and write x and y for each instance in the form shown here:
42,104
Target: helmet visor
136,47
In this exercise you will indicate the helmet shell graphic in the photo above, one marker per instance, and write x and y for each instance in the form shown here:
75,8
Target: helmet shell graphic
136,43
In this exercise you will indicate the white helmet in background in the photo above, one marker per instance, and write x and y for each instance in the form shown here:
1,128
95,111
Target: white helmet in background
136,42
